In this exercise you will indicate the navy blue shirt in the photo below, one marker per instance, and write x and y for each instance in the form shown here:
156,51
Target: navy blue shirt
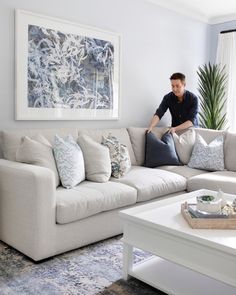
180,111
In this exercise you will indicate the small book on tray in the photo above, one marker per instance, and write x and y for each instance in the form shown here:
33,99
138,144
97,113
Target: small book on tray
192,209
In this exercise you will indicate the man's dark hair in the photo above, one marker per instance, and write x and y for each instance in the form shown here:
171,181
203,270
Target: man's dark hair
177,76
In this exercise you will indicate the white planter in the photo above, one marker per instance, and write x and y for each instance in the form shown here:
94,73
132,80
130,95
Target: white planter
208,206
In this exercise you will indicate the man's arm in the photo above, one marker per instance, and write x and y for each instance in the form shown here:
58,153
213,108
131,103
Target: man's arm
182,126
159,113
155,120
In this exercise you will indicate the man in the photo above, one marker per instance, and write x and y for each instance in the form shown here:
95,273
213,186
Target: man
182,104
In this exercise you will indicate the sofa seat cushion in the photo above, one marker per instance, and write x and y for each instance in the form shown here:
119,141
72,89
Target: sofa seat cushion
89,198
185,171
151,183
224,180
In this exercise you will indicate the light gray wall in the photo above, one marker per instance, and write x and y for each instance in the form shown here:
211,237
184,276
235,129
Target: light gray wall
214,33
156,42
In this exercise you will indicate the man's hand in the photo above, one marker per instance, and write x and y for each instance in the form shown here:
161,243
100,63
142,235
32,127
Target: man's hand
149,129
180,127
155,120
172,130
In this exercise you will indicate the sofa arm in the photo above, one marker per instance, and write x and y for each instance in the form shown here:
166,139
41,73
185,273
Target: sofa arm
27,207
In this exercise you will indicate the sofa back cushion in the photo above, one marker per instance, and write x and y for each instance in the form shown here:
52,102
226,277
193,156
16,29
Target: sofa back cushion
37,151
230,148
209,134
137,137
120,133
11,139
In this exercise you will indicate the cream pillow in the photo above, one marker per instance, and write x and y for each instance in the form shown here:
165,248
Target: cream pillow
96,158
37,151
184,144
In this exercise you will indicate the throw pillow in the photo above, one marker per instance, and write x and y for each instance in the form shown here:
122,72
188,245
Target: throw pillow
96,158
70,161
208,156
184,145
119,154
37,151
160,151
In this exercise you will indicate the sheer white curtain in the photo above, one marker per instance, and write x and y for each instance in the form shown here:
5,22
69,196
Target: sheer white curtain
226,55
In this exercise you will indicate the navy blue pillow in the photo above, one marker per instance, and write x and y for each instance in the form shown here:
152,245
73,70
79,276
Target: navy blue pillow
160,152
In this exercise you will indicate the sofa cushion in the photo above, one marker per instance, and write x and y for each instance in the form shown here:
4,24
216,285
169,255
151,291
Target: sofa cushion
184,143
224,180
209,134
160,151
137,137
184,170
208,156
120,133
96,158
70,161
230,148
37,151
119,154
11,139
151,183
89,198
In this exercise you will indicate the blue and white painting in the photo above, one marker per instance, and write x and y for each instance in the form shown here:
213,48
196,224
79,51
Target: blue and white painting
68,70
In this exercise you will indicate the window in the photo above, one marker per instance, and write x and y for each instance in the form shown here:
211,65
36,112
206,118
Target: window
226,56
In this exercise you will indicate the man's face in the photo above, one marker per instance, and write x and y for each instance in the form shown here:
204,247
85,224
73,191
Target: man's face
178,87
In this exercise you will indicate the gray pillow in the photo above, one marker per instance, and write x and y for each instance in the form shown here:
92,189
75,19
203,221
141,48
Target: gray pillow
160,152
119,154
208,156
37,151
70,161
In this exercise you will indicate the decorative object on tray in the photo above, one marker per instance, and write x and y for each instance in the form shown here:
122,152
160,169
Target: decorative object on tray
210,212
209,204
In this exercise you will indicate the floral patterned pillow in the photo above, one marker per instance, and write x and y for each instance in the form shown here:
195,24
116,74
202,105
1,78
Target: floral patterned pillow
119,154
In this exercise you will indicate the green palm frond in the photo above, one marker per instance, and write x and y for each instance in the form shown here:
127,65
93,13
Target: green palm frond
211,87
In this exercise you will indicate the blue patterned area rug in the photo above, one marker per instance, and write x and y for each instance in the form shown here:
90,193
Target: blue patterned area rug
95,269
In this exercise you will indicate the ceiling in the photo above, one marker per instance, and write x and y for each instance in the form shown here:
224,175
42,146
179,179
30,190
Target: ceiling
209,11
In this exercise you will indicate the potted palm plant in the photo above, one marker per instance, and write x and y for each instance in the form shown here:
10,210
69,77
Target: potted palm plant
212,85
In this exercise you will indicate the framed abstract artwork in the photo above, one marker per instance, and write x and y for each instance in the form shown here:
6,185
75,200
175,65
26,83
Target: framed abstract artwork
64,70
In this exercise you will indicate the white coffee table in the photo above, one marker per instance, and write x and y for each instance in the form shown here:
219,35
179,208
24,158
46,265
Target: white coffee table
187,261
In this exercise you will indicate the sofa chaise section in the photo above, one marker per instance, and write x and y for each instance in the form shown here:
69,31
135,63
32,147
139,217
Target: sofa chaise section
224,180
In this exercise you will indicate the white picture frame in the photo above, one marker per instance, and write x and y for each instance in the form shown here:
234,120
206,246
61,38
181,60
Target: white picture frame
65,70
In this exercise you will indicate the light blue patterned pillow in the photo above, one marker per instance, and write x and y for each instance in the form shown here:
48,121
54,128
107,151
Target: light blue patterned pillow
119,154
70,161
208,156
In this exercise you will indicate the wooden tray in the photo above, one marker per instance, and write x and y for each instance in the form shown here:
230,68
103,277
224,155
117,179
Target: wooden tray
208,223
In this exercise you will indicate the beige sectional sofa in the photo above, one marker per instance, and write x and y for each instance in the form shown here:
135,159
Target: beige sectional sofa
41,220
